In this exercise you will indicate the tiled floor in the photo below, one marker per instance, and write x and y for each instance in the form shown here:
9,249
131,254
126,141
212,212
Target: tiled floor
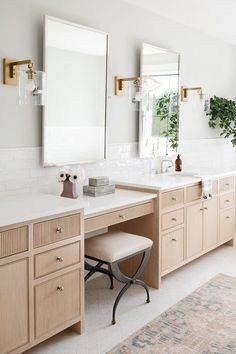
133,312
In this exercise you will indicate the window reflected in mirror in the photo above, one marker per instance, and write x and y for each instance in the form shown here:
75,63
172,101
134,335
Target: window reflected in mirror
159,107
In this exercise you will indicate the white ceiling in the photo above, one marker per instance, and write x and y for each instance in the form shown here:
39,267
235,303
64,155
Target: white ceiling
214,17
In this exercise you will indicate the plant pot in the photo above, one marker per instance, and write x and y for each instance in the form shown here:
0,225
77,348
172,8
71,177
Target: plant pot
69,190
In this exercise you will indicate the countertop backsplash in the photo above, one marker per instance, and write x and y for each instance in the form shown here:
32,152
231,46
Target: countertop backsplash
21,170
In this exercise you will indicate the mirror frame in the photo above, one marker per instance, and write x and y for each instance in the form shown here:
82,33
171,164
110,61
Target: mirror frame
140,104
46,18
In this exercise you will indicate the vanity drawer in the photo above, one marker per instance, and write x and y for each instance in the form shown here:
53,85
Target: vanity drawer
172,198
105,220
227,200
57,259
226,184
227,224
55,230
172,219
13,241
57,301
172,249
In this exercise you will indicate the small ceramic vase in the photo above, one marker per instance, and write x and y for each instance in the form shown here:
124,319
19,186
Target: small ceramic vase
69,190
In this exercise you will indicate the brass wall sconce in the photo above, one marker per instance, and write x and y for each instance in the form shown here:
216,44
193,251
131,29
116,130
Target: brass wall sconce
185,90
31,83
119,86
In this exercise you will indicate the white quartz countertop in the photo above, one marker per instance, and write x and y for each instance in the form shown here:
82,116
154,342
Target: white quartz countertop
164,181
27,207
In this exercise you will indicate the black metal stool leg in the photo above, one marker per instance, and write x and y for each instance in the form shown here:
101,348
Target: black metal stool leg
97,268
121,293
144,285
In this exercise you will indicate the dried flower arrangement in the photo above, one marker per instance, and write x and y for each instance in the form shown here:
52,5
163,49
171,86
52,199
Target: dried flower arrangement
69,178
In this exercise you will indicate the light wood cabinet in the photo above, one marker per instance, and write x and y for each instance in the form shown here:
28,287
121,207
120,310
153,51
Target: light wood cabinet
227,224
197,225
14,306
194,229
42,288
57,301
172,249
210,223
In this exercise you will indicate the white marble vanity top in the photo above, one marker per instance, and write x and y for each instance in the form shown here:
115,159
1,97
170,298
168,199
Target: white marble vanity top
163,181
23,208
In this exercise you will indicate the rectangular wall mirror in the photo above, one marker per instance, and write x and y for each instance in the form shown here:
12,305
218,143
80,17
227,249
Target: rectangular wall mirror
74,129
159,107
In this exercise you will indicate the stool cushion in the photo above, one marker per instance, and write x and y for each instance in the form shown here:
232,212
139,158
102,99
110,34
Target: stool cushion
115,245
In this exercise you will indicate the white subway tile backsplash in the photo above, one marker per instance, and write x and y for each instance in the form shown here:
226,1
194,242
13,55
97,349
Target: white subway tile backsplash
21,169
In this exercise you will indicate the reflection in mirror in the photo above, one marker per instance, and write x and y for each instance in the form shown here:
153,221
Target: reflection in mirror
159,107
75,111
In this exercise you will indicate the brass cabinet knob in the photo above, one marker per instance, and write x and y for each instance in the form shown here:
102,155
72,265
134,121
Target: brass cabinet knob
60,288
205,208
227,217
59,230
174,199
227,201
201,209
60,259
122,216
174,219
227,184
174,239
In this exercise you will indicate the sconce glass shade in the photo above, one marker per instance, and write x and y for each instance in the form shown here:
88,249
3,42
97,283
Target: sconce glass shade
31,91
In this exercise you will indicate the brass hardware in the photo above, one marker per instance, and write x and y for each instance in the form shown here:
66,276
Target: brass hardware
227,184
60,259
59,230
119,84
122,216
10,68
184,92
174,219
173,239
60,288
227,217
227,201
174,199
201,209
205,208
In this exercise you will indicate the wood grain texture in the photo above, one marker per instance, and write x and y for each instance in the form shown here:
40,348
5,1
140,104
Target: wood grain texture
53,306
172,252
13,241
172,219
54,230
56,259
116,217
14,311
172,198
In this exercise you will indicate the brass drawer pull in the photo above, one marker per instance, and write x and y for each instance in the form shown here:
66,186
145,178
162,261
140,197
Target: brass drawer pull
60,259
174,239
174,199
205,208
201,209
60,288
227,201
59,230
122,216
174,219
227,217
227,184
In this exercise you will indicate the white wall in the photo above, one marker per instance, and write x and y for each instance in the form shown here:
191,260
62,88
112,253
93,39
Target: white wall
204,60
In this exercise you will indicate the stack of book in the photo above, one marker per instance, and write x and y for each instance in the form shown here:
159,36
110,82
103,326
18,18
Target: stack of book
99,186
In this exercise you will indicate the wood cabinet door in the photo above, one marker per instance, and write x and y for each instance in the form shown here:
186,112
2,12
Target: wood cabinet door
172,251
14,329
194,229
210,223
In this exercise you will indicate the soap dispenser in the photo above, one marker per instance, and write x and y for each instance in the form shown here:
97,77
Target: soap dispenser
178,164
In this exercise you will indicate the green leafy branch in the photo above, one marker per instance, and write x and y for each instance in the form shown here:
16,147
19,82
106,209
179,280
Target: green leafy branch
222,114
166,109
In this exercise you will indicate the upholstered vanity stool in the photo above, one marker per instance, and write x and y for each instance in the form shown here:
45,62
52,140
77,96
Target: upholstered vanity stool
110,249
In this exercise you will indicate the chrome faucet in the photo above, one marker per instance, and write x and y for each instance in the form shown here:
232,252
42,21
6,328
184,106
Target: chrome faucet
167,168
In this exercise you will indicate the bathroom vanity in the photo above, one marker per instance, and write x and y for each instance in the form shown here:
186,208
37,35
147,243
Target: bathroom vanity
188,226
42,259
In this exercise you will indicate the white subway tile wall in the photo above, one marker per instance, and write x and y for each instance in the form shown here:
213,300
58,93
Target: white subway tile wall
21,170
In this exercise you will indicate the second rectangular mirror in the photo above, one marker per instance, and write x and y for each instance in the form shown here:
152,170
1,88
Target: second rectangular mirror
159,107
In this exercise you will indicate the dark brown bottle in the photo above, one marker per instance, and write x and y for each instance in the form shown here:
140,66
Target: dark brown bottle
178,164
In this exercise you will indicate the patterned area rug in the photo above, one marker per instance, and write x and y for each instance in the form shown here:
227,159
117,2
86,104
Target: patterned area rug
203,322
